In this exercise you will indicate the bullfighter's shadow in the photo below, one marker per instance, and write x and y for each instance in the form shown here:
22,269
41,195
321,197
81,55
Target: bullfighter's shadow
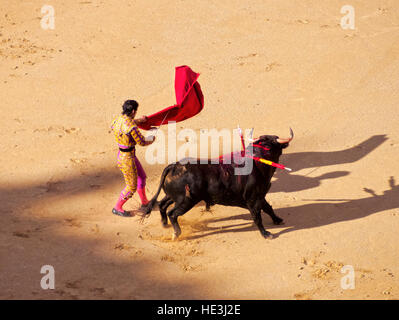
311,215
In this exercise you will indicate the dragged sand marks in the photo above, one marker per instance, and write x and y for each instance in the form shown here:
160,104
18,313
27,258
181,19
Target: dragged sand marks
183,253
303,296
73,289
318,269
380,11
20,234
316,272
251,55
249,59
72,222
73,284
21,52
95,229
129,249
323,23
146,235
9,19
326,278
97,291
271,66
327,270
78,161
188,255
59,131
302,21
66,295
182,263
27,233
246,59
24,50
184,257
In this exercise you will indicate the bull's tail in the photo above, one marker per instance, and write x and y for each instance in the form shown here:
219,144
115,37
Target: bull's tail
152,202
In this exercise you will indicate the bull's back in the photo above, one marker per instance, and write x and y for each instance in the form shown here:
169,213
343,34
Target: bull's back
212,183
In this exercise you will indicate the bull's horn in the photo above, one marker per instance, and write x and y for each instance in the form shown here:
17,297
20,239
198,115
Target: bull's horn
288,139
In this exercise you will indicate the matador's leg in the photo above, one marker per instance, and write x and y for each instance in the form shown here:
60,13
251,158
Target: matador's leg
128,167
141,181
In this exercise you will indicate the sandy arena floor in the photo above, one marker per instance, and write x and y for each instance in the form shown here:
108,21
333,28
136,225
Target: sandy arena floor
263,64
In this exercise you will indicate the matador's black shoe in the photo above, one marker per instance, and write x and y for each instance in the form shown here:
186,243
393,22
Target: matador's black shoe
123,213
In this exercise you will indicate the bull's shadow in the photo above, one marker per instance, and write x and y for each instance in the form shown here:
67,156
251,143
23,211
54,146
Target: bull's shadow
285,182
295,182
312,215
319,214
324,213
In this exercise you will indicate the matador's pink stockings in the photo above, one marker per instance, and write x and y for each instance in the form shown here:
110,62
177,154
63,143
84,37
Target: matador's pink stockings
142,195
120,203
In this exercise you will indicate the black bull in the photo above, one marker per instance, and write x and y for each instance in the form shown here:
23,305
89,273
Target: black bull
187,184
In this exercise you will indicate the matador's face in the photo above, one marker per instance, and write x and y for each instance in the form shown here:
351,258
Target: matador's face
133,114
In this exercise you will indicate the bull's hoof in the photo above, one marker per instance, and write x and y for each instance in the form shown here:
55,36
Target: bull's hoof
267,235
175,236
278,221
165,224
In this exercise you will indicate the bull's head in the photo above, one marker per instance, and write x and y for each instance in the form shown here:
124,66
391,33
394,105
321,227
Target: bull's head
267,145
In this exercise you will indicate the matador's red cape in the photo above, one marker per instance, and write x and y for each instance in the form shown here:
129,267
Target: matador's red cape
189,100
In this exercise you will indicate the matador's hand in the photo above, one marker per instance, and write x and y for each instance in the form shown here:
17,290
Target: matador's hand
141,120
150,139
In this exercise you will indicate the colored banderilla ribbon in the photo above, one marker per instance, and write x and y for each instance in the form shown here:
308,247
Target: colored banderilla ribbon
268,162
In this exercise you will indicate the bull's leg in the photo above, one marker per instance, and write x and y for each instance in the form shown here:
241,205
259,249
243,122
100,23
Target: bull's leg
267,208
179,209
255,213
163,206
173,214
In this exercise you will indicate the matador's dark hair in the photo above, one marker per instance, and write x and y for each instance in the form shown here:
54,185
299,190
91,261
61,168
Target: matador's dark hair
129,106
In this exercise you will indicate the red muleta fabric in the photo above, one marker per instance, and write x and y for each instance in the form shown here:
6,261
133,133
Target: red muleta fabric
189,98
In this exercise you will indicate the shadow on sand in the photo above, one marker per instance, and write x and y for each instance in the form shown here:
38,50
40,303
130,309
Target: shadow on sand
70,253
312,215
74,247
286,182
316,214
